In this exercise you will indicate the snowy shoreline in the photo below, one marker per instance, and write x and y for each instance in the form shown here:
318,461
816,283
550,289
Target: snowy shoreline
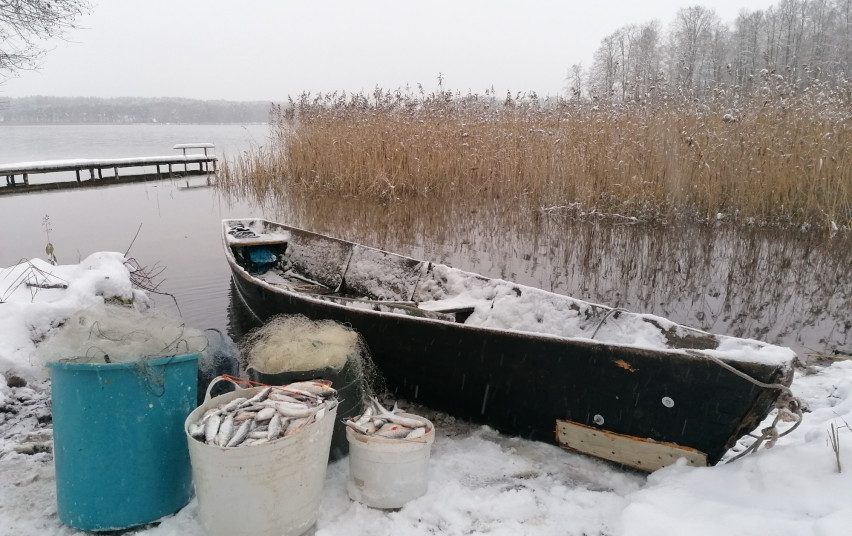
481,481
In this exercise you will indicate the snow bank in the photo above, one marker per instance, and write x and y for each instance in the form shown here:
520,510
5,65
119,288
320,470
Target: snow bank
792,489
29,310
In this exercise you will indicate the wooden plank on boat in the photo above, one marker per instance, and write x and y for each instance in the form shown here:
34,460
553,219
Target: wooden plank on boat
637,452
260,240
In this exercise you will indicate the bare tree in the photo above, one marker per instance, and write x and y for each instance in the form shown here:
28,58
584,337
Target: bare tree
25,25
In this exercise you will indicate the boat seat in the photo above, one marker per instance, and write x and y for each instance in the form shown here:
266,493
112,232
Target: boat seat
317,258
380,275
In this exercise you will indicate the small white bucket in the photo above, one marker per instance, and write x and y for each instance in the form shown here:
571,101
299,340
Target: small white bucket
269,489
387,473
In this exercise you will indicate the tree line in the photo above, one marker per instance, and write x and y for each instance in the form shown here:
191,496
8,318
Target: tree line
87,110
799,42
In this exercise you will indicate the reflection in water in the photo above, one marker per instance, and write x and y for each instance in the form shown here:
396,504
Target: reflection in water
782,287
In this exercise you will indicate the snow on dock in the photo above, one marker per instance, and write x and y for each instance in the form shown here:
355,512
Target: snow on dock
97,165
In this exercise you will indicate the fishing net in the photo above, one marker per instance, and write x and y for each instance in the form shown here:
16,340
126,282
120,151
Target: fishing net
119,334
296,343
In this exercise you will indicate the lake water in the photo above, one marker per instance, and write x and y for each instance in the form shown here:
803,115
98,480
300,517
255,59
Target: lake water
787,288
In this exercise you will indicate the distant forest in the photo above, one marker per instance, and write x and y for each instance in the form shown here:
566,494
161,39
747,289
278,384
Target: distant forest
802,43
122,110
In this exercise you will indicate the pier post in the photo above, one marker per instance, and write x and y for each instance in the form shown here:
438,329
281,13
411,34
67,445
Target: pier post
100,173
170,169
26,179
115,172
77,171
92,173
158,170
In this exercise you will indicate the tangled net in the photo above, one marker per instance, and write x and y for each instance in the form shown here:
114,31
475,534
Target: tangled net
296,343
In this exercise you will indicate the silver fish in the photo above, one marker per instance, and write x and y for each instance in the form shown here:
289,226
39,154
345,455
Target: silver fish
258,434
393,431
209,413
417,432
281,397
265,414
197,430
259,397
314,387
245,416
233,404
211,428
294,411
403,421
225,431
365,417
274,427
357,427
239,435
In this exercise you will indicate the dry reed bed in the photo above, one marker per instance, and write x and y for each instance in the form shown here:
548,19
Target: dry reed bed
779,156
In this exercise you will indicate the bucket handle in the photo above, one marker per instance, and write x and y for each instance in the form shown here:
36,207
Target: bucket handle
239,383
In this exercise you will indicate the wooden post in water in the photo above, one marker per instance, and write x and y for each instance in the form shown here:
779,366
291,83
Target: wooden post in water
100,173
158,170
92,173
26,179
170,169
77,171
184,163
115,172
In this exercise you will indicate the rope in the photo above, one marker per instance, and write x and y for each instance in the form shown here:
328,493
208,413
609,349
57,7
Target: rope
787,406
601,323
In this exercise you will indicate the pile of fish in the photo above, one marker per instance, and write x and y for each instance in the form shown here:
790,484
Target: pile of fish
272,413
379,421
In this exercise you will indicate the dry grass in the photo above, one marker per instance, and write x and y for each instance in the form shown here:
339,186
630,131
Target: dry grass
778,157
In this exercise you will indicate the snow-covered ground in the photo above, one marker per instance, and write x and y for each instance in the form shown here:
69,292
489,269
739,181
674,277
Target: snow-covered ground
481,482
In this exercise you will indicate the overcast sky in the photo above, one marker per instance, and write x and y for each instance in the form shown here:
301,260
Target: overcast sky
265,50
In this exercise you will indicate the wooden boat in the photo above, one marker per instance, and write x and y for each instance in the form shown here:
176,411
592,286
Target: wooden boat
635,389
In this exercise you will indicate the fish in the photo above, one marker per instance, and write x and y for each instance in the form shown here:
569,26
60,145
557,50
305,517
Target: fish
265,414
365,417
239,435
225,431
274,427
295,411
211,428
259,397
197,429
417,432
272,412
392,431
314,387
233,404
379,421
209,413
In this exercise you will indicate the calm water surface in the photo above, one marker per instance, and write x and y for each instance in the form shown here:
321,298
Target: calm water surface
786,288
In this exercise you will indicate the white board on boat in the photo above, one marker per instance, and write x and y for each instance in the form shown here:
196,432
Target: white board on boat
637,452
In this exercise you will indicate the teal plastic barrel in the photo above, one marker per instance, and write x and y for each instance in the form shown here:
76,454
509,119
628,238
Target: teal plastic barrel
119,446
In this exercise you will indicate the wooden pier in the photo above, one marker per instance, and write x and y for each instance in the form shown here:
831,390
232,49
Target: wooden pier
94,169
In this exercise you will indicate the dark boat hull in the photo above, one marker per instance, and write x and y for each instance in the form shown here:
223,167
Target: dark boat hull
522,383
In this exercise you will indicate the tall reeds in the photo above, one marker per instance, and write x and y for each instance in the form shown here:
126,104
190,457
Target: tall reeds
777,156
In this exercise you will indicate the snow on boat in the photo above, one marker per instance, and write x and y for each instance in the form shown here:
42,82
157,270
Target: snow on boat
634,389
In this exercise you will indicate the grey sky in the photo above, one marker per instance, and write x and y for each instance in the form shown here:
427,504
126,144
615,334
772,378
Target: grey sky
266,50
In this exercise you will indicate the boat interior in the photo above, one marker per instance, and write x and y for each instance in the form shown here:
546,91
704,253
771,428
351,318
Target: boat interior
358,276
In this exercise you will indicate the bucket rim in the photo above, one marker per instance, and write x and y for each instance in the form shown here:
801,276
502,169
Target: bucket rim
165,360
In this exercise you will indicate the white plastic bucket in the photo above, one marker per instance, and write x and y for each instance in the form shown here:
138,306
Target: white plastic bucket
269,489
387,473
